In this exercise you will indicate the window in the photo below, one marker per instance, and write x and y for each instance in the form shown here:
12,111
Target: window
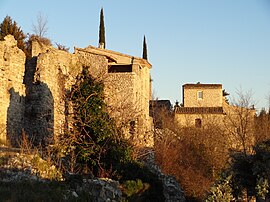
200,95
132,125
198,123
120,68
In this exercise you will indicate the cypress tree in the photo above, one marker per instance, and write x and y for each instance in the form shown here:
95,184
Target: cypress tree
144,49
101,29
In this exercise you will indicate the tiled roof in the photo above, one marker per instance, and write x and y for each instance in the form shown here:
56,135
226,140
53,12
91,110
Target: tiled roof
199,110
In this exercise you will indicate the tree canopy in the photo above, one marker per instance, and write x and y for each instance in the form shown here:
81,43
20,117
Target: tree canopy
247,176
8,26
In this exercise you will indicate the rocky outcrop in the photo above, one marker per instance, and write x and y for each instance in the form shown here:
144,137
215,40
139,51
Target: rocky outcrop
99,189
32,168
172,191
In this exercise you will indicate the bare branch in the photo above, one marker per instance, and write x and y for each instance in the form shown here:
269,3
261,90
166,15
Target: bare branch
41,28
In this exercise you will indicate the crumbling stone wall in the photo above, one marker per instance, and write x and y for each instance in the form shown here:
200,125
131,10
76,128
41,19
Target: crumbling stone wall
45,109
33,95
12,90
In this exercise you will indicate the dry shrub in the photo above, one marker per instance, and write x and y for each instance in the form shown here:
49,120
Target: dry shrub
194,156
26,144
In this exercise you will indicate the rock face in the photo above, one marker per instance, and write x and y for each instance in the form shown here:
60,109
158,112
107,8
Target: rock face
31,168
33,95
171,189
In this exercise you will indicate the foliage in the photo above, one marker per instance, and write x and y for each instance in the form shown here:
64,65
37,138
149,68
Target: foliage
250,174
131,188
262,126
102,29
8,26
62,47
40,40
144,49
262,187
98,145
3,160
194,156
239,121
222,191
134,171
45,169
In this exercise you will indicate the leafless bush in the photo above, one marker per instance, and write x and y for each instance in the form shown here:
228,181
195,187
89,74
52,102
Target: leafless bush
62,47
41,28
239,122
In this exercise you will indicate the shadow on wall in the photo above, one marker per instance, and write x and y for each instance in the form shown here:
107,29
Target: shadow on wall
33,113
39,114
15,117
39,107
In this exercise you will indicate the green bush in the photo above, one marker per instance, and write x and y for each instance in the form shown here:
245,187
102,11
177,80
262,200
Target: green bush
99,146
134,187
136,172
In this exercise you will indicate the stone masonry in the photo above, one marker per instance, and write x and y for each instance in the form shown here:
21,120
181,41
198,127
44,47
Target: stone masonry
12,89
33,94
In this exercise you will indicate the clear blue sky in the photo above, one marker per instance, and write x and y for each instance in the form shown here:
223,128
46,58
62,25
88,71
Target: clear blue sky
211,41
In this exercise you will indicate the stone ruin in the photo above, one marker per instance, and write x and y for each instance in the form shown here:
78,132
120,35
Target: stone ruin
32,93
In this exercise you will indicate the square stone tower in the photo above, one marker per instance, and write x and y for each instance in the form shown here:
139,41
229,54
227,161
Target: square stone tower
202,95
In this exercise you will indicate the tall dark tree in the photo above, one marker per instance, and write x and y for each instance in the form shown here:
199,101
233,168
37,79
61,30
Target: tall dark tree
102,29
8,26
144,49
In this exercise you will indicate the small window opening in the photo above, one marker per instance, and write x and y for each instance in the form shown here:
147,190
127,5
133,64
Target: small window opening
120,68
132,127
200,95
198,123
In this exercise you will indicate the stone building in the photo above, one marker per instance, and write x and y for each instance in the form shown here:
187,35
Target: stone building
33,94
127,92
206,106
202,104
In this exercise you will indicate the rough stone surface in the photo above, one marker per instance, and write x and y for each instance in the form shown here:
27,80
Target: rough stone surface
12,90
33,94
22,167
172,191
